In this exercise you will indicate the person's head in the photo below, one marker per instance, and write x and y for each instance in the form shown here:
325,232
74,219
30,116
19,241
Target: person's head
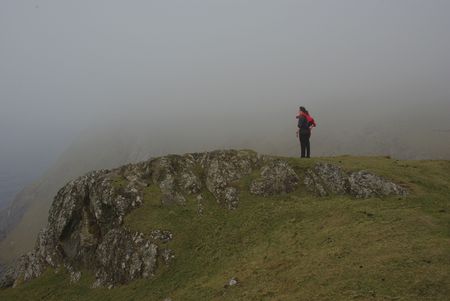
303,109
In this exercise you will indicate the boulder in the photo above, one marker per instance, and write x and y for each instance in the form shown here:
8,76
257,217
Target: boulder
363,184
328,179
325,179
276,177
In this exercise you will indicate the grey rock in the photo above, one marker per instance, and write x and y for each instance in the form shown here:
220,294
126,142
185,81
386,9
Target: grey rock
167,255
124,256
233,281
276,177
83,213
230,196
74,276
326,179
32,266
222,168
219,170
200,207
175,176
363,184
10,273
161,235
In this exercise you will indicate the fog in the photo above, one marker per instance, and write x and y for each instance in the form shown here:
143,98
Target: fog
205,74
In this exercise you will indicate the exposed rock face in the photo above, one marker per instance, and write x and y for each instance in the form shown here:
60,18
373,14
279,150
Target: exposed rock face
85,225
178,176
85,220
9,274
124,256
175,175
222,169
276,177
325,179
84,230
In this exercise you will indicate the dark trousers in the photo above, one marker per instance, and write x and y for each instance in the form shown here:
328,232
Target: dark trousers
304,144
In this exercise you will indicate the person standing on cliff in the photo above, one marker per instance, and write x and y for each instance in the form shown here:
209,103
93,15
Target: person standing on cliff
305,124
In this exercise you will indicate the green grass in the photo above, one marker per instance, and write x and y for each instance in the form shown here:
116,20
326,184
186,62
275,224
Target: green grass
292,247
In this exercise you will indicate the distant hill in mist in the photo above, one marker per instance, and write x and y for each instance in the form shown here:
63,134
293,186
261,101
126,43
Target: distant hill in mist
9,185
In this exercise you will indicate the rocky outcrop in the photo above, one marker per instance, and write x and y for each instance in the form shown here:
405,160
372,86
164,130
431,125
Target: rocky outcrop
327,179
85,225
178,176
222,169
276,177
84,230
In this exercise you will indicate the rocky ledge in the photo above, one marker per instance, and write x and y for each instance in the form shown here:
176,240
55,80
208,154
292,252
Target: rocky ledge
85,226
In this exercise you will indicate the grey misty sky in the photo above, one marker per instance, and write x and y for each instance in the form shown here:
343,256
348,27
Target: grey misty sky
66,65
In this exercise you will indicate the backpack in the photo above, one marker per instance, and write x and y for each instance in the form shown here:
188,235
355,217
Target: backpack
311,121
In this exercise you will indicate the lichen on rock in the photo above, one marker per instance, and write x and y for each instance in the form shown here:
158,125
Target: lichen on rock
222,168
175,177
363,184
327,179
124,256
276,177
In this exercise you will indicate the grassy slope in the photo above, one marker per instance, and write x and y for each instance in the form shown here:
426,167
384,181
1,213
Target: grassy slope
293,247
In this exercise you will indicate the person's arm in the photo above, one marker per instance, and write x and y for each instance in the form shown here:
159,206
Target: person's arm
299,124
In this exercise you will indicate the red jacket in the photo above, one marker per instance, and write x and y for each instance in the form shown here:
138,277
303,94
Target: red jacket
308,118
